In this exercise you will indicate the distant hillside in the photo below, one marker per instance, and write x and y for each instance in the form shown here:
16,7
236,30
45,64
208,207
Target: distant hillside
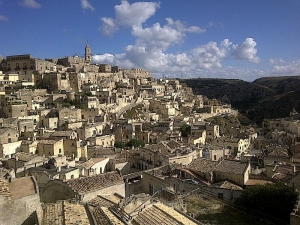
268,97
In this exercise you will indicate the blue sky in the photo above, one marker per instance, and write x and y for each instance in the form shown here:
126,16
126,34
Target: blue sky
178,38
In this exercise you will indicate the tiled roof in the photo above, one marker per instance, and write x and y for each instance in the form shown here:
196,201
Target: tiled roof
4,189
87,184
74,214
89,163
23,156
230,166
100,217
295,149
62,133
53,214
47,141
202,165
284,169
64,212
100,201
111,216
161,214
277,151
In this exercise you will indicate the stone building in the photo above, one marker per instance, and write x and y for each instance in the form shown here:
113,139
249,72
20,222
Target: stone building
94,166
25,64
19,201
50,147
22,161
84,188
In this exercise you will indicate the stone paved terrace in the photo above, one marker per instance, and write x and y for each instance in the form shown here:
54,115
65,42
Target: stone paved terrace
22,187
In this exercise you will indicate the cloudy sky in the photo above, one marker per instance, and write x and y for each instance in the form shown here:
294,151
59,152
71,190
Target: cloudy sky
176,38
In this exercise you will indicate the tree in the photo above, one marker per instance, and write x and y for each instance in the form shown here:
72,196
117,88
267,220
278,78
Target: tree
135,143
276,200
185,130
119,144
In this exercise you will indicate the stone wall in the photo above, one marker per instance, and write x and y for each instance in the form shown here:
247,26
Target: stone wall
118,189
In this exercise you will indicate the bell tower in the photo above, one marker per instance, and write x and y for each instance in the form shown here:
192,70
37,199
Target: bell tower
88,54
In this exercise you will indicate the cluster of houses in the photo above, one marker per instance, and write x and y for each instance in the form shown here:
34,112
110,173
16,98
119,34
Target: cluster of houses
83,143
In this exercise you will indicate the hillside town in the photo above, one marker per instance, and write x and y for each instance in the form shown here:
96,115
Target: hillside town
85,143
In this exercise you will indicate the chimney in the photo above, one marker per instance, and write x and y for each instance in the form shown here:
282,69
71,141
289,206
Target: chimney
59,169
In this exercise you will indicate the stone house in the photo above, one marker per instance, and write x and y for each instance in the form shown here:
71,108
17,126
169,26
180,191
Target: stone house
203,168
236,145
94,166
103,140
216,153
197,137
50,147
9,122
165,153
45,173
25,64
166,109
28,146
90,130
25,125
49,122
234,171
212,132
8,135
66,135
70,142
70,115
9,149
275,153
90,114
15,108
295,153
22,161
9,142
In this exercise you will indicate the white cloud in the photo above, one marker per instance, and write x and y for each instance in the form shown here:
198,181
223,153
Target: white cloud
162,37
136,13
30,4
108,27
155,59
3,18
246,51
86,5
276,61
281,67
210,55
129,15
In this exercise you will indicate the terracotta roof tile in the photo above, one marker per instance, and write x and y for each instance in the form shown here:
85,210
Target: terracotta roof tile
230,166
87,184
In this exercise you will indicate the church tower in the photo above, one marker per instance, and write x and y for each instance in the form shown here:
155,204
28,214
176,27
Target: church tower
88,54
